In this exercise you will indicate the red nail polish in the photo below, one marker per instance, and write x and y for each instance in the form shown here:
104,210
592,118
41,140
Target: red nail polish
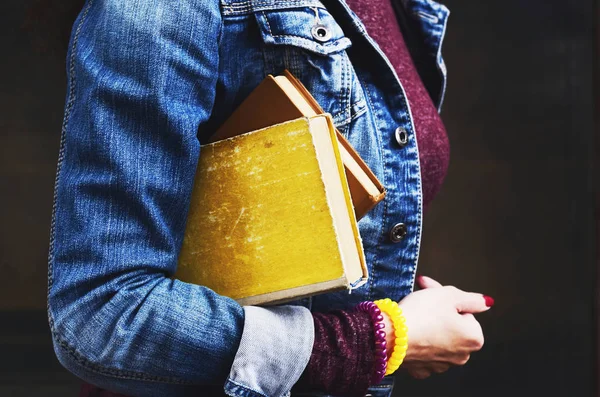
489,301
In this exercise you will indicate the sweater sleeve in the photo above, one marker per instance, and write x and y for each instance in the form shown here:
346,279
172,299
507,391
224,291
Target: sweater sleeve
343,356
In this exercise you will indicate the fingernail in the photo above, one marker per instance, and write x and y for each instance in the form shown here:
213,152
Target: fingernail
489,301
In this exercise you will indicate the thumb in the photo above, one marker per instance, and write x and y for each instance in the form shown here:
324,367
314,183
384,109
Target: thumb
427,282
469,302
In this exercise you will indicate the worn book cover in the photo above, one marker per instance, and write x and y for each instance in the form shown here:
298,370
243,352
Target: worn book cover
282,98
271,218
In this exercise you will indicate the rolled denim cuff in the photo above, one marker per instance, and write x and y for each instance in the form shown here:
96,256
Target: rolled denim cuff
274,350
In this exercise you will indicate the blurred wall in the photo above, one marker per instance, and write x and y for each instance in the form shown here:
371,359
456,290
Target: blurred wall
31,102
515,217
32,84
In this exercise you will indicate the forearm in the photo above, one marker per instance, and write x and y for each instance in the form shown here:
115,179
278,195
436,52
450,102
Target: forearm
148,327
343,355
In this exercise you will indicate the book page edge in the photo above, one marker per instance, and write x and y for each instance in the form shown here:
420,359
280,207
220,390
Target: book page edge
290,294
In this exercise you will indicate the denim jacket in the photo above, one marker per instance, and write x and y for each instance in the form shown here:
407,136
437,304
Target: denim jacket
148,81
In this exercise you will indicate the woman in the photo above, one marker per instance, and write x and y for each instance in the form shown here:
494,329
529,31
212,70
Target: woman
148,81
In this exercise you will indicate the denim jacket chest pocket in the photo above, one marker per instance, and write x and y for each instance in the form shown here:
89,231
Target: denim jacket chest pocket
310,43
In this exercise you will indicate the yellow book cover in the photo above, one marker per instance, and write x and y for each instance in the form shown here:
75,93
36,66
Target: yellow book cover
271,217
278,99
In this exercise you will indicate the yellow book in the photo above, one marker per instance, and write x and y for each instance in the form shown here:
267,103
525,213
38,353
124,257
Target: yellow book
282,98
271,218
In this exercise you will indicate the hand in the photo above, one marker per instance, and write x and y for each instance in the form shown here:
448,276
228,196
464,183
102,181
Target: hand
442,330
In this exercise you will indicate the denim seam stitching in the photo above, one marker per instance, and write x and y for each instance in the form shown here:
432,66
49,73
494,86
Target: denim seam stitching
342,97
348,85
221,32
61,155
250,3
417,242
419,230
348,119
326,46
385,202
314,46
342,85
120,374
418,165
429,17
351,105
269,64
249,7
268,23
439,60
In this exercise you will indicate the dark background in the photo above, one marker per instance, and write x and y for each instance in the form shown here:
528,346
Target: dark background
514,220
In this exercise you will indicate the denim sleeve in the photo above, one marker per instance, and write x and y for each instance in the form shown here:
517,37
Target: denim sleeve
141,84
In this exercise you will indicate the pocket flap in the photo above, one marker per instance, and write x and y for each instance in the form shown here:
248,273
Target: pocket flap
300,27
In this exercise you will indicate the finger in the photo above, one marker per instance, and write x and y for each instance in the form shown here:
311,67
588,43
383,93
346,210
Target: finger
469,316
473,334
469,302
427,282
419,373
462,360
440,367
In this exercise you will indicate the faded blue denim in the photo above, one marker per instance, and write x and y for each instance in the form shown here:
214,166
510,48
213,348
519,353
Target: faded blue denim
148,81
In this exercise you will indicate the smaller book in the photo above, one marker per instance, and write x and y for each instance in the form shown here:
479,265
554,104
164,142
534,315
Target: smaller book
283,98
271,217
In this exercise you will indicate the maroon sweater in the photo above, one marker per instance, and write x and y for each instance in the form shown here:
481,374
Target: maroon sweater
342,356
380,20
331,368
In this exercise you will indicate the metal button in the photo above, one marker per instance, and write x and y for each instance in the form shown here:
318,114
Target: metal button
398,232
401,136
320,32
